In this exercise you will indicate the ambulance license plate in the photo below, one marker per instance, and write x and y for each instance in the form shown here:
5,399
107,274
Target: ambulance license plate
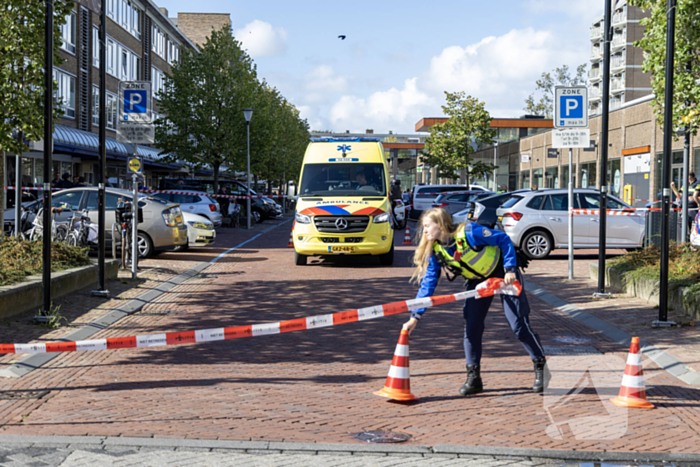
341,249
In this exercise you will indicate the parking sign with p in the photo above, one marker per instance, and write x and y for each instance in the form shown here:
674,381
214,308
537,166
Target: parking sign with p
570,107
135,101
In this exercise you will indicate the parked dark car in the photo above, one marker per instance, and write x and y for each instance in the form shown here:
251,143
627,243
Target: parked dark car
458,202
263,208
493,201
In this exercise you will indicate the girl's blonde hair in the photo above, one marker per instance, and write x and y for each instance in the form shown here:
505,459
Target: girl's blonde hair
425,247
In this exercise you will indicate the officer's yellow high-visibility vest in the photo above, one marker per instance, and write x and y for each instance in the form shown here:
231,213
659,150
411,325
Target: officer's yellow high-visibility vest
471,264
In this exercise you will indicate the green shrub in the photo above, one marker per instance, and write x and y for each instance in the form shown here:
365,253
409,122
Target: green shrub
683,265
22,258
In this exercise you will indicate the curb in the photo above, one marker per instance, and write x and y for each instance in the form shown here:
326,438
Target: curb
666,361
262,447
32,362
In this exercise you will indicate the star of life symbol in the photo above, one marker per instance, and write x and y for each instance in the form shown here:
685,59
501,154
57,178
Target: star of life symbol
344,147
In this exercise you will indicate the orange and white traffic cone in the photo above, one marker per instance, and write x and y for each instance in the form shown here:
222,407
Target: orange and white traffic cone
632,390
407,237
398,383
291,236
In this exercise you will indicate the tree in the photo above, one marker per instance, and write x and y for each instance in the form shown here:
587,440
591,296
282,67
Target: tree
686,76
203,103
22,26
545,86
450,144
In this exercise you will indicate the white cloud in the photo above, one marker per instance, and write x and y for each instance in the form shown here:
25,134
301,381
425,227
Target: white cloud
321,83
500,71
261,39
385,110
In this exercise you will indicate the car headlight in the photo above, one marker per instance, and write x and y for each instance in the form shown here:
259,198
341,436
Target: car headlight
201,225
302,218
170,216
380,219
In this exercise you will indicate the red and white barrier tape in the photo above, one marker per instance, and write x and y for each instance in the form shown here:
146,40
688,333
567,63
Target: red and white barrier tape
487,288
178,192
609,212
26,188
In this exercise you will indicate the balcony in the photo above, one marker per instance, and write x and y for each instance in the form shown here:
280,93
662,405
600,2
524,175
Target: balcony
594,94
616,103
596,33
594,74
596,54
617,63
619,18
617,85
618,42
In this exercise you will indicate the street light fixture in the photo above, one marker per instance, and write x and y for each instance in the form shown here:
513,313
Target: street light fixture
495,164
248,114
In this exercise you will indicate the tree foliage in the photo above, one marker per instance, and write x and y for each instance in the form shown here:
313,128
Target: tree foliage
203,103
22,26
544,87
686,75
450,145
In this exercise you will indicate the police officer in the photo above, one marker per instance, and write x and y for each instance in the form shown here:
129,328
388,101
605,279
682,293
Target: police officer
475,252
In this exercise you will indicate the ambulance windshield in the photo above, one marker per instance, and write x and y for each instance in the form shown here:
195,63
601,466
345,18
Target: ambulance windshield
343,179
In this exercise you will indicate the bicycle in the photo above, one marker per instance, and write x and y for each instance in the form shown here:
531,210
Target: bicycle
24,225
78,228
59,230
124,218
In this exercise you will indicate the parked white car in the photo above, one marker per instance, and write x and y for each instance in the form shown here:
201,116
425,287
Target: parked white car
537,222
200,231
196,202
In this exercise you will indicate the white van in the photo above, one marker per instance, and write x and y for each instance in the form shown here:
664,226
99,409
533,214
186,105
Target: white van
424,195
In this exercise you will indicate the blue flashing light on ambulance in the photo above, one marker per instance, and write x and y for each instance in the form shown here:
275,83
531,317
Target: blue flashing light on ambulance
343,205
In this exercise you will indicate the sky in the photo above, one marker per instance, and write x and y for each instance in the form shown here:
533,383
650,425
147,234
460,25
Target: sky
399,57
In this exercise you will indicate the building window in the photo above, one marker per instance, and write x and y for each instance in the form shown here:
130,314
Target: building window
157,80
95,106
124,64
65,91
111,111
136,22
588,174
68,33
111,56
173,52
135,67
525,179
158,44
112,9
96,46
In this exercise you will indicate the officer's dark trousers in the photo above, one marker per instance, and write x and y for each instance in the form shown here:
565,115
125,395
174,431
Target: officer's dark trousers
517,310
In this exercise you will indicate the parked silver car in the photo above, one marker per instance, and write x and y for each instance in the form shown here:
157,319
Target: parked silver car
537,222
460,201
162,227
196,202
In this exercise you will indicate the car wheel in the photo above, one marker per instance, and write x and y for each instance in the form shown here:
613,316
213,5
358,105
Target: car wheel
299,260
257,216
537,244
145,245
387,259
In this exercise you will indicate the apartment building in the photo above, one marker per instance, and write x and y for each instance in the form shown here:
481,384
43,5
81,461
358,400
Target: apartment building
142,44
627,81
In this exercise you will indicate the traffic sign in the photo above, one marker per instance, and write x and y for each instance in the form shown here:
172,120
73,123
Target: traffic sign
134,165
135,103
136,133
578,138
570,107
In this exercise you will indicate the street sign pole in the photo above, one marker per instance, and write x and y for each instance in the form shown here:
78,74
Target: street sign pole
102,159
602,244
135,223
686,162
48,163
18,191
571,214
666,172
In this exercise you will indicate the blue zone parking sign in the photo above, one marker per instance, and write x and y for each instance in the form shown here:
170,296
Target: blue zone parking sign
570,107
134,102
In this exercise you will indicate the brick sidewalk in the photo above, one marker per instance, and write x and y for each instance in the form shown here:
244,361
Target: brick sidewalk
316,386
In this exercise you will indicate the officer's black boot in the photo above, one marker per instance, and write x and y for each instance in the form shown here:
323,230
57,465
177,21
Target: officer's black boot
542,375
473,384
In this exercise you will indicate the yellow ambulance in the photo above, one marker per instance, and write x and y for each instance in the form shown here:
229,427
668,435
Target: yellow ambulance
343,205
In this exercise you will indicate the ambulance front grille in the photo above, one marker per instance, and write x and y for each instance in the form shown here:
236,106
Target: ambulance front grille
328,224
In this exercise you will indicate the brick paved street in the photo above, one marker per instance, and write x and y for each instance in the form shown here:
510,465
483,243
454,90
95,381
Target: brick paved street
316,385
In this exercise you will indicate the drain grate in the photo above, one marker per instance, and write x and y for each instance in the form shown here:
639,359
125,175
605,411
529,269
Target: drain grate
552,350
16,395
572,340
382,436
